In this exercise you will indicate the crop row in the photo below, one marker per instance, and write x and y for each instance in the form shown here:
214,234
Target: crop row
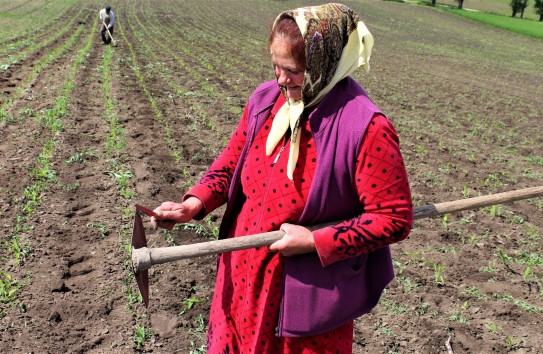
50,124
32,18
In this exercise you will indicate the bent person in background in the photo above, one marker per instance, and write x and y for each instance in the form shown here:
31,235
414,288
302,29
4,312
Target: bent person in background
107,18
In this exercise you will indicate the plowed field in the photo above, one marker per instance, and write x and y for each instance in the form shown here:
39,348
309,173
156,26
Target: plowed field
89,130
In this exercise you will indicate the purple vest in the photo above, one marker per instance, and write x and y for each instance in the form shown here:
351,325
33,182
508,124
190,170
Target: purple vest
317,299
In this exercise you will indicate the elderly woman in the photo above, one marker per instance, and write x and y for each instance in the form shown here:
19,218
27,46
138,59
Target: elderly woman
311,147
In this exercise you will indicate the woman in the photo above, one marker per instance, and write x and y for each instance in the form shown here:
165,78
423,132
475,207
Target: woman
310,148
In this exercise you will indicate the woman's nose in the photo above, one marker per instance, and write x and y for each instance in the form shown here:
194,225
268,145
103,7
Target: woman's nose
282,76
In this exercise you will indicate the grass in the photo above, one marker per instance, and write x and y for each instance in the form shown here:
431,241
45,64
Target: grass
513,24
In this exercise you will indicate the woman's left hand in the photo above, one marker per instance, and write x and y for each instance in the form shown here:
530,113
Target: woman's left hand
297,240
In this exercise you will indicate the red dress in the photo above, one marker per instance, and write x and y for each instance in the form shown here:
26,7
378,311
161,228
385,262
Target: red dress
248,288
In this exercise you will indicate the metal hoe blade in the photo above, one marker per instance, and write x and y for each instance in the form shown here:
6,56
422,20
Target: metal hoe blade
139,241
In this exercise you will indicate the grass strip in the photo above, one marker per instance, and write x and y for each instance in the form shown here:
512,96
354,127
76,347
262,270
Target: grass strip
513,24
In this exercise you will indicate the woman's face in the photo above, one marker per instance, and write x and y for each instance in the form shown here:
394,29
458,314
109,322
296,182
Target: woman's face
289,73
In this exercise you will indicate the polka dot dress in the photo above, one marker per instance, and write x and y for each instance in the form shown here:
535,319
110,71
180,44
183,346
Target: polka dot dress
248,289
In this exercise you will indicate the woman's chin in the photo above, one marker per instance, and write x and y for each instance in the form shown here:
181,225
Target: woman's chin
295,96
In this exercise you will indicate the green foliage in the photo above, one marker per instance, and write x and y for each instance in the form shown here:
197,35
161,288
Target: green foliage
519,303
474,292
140,335
439,269
29,112
101,227
407,285
19,250
528,28
122,179
422,309
206,230
492,327
538,5
393,307
81,156
511,343
517,6
199,334
8,287
189,304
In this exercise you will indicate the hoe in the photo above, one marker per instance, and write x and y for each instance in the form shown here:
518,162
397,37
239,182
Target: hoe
109,33
143,258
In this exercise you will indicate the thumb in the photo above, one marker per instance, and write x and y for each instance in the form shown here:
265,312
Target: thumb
273,247
277,245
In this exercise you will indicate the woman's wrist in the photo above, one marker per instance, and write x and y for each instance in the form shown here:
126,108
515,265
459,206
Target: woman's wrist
195,205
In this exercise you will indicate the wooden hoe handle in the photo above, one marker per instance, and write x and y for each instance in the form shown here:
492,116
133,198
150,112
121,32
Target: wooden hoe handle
143,258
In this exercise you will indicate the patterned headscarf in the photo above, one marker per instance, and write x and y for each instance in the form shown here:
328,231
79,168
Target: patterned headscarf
337,42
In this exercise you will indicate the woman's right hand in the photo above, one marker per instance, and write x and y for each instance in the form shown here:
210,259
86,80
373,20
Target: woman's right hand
169,213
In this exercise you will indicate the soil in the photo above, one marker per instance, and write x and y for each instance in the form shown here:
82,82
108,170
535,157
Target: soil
465,99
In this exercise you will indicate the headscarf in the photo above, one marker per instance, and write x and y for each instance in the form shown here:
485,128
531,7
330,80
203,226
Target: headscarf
336,42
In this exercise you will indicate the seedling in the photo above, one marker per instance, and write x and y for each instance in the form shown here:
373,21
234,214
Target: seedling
387,331
472,291
492,327
100,226
8,287
423,309
29,112
438,272
140,336
81,156
511,343
189,304
445,221
503,256
465,192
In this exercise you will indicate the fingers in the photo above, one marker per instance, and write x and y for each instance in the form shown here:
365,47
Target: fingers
297,240
165,216
169,213
165,224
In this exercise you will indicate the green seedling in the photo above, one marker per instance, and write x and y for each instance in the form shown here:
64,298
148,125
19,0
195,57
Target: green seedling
81,157
472,291
492,327
423,309
438,272
387,331
465,192
527,274
140,335
519,303
511,343
70,187
29,112
503,256
19,250
8,287
391,306
445,221
100,227
189,303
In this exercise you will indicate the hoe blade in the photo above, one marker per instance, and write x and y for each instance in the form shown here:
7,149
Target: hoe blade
139,241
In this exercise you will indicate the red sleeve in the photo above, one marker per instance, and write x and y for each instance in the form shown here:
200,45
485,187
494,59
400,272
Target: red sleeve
213,188
383,190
